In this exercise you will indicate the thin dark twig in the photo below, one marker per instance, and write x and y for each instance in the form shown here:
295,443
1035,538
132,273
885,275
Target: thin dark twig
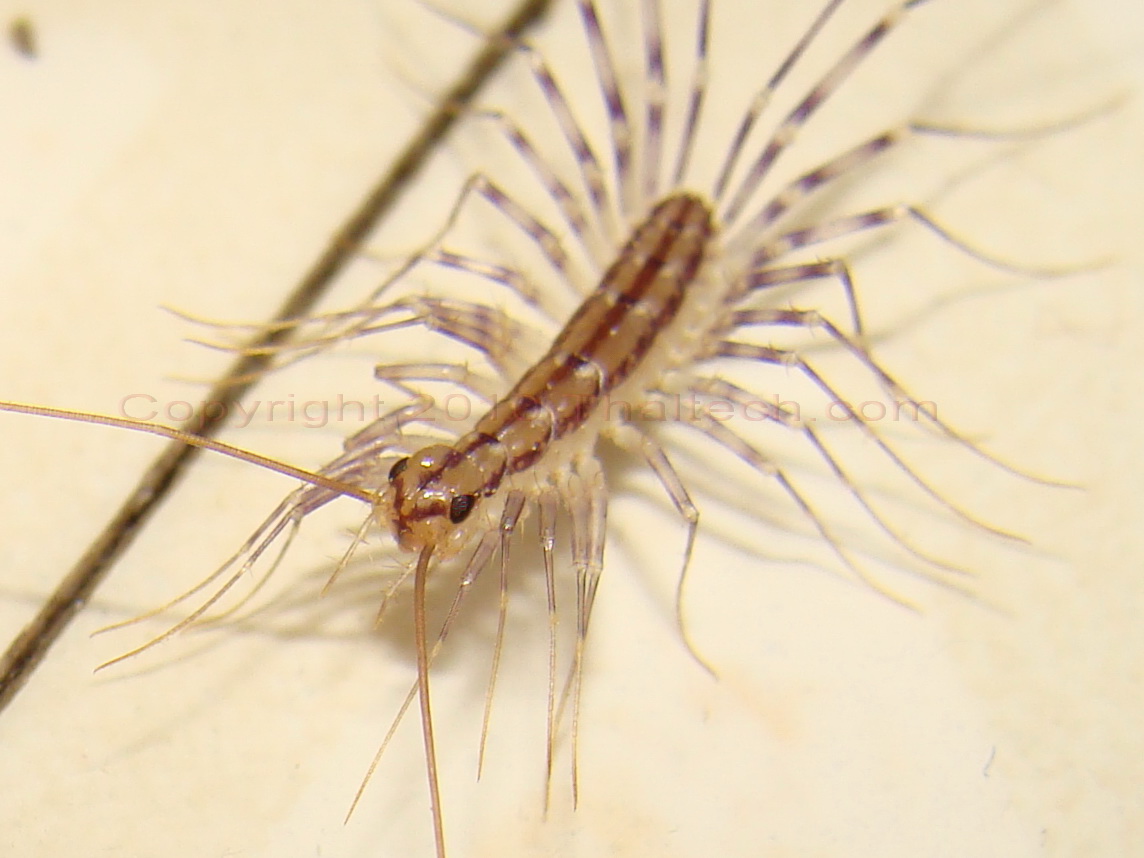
73,592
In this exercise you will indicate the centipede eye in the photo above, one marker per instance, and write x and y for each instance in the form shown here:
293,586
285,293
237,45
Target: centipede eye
460,507
398,466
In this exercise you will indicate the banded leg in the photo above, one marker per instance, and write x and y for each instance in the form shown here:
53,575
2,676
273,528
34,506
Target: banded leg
887,216
588,232
655,97
769,278
761,463
480,184
591,173
542,236
805,185
546,241
798,117
726,391
698,93
865,152
511,278
812,319
780,357
763,96
619,123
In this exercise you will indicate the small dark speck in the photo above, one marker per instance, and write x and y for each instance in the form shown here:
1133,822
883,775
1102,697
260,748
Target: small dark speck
23,37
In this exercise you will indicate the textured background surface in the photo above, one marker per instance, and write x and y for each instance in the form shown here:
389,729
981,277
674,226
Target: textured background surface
196,155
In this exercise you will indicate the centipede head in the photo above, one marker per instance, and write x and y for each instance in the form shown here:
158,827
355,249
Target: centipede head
425,503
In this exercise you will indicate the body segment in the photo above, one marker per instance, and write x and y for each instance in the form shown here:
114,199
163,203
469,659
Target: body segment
597,350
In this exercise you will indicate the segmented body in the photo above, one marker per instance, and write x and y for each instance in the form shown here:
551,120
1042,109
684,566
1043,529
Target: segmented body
598,350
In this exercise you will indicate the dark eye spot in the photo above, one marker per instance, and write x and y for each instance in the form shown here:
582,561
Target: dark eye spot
398,466
460,507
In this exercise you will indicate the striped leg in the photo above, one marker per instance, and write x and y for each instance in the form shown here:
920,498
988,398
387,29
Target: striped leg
589,232
763,96
726,391
655,97
591,173
780,357
618,121
698,94
769,278
797,118
814,319
866,151
887,216
760,462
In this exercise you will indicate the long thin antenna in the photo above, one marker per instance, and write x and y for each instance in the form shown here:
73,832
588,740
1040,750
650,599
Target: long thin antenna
197,441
